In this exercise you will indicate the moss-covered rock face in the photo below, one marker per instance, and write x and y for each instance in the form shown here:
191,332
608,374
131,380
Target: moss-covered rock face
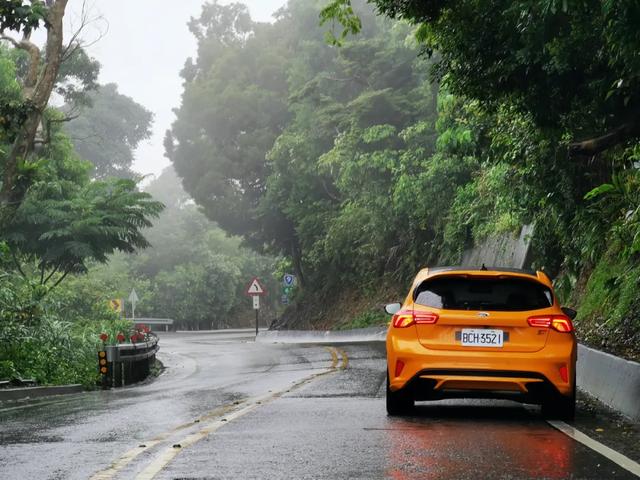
609,306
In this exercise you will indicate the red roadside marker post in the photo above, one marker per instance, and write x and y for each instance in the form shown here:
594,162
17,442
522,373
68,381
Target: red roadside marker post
255,290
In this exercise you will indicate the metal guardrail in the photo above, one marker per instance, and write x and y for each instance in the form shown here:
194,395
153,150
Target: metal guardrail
128,363
156,322
152,321
131,352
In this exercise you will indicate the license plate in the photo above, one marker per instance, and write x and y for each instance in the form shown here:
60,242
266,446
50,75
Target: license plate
476,337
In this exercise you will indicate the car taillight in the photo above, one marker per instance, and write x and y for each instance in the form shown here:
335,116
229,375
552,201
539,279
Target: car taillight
560,323
404,318
427,318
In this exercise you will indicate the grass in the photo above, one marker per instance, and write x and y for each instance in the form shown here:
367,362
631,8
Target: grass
609,309
370,318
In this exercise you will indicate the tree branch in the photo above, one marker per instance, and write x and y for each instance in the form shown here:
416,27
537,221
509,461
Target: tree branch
64,275
46,280
34,61
597,145
68,118
17,263
38,97
11,40
75,41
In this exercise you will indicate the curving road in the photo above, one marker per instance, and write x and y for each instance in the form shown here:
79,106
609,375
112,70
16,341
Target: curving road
226,407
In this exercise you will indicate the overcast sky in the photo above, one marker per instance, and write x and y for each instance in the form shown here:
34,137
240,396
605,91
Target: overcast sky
144,47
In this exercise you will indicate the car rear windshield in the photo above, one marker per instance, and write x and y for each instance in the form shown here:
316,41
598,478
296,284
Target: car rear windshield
507,294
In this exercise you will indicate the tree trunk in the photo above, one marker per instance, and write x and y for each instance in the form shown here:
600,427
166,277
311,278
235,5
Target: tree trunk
37,91
296,257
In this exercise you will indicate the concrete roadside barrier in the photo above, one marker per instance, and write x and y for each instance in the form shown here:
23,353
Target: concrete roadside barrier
374,334
7,394
612,380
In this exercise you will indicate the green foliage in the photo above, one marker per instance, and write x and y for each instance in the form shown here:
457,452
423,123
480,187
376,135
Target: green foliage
12,107
609,314
342,12
37,341
529,55
201,284
77,78
620,200
67,221
332,134
109,131
371,318
21,16
64,224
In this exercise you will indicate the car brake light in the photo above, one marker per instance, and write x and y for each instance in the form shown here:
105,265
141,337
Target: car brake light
404,318
560,323
399,367
563,325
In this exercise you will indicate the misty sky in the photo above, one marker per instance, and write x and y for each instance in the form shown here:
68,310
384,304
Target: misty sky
143,50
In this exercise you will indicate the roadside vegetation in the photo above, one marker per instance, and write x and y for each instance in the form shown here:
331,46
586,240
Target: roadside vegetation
73,219
362,155
349,157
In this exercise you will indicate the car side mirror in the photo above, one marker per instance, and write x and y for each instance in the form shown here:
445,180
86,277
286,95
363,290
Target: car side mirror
569,312
392,308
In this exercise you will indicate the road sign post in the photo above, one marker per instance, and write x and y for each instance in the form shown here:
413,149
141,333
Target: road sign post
133,298
255,290
288,282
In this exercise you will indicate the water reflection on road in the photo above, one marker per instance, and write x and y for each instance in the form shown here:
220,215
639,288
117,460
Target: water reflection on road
467,442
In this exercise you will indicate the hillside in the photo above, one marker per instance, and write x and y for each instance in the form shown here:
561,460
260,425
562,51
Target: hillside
360,159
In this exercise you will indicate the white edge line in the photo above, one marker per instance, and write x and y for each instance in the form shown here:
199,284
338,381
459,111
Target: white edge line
578,436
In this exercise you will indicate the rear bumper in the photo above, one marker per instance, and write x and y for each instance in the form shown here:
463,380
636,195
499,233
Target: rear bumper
435,374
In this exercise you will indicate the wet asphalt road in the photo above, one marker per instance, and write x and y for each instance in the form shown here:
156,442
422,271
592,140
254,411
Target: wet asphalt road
226,407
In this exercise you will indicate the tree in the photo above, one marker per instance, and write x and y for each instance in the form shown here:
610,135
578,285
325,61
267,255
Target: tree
21,16
533,56
108,131
233,108
37,88
67,221
193,272
247,141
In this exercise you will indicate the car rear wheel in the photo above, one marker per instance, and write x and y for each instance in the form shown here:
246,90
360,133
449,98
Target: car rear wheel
560,407
398,403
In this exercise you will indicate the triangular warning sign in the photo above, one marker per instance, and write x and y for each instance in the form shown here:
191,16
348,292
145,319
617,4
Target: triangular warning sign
255,288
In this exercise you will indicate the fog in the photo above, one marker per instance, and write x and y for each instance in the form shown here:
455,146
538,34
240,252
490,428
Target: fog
142,46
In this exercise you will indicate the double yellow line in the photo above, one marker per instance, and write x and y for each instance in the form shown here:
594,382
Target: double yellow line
339,358
211,422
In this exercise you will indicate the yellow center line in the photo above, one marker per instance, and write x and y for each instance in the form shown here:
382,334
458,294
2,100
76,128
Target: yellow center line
130,455
169,453
334,357
345,359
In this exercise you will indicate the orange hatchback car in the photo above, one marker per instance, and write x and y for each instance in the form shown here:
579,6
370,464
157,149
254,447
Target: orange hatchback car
481,333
